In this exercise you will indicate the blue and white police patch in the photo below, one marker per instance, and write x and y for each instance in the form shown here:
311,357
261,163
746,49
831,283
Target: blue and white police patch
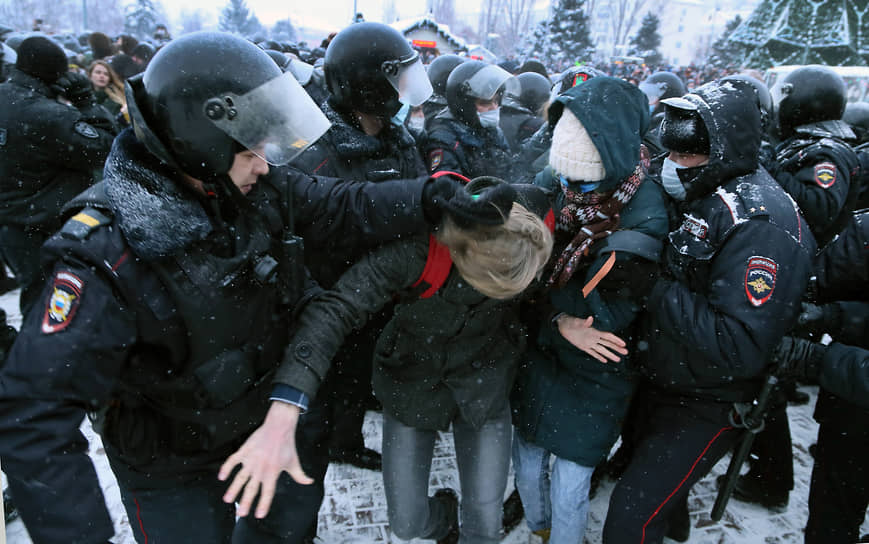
83,129
65,298
825,174
760,276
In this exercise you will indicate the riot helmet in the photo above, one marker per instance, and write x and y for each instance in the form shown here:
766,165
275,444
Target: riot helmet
533,91
280,59
857,116
475,80
370,68
662,85
439,70
208,95
810,94
570,78
764,98
682,129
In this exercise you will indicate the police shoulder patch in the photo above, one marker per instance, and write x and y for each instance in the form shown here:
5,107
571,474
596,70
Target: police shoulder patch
2,136
83,129
760,277
434,159
66,290
825,174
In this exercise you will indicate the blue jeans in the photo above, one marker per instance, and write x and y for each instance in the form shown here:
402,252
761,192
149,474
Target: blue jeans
560,504
483,459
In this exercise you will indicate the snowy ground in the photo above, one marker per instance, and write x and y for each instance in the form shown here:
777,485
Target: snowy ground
354,510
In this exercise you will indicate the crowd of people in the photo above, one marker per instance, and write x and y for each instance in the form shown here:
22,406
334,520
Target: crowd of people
227,252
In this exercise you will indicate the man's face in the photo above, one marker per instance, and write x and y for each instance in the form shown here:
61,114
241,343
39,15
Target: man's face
688,160
246,169
486,105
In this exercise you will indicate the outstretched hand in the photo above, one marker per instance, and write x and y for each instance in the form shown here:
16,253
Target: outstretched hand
603,346
270,450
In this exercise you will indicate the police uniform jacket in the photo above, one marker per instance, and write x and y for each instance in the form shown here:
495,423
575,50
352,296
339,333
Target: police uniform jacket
735,269
816,166
48,151
518,123
158,316
453,146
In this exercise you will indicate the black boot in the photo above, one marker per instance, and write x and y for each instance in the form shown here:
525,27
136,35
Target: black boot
361,457
513,512
750,489
9,507
451,502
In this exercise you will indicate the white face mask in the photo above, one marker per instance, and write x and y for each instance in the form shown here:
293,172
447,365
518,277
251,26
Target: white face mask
416,123
670,178
491,118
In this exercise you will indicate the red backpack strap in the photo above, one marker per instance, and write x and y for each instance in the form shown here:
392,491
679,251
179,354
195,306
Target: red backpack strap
453,174
437,268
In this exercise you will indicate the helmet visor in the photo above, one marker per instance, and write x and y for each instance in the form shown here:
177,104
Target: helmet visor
653,91
9,54
489,80
410,80
277,120
302,70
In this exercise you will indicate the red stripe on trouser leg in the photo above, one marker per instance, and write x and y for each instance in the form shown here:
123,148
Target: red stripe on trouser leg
678,487
139,519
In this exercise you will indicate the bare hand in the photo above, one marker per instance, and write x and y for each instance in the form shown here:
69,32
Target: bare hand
270,450
600,345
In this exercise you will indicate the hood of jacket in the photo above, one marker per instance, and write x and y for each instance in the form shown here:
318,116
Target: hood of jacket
731,115
157,215
616,116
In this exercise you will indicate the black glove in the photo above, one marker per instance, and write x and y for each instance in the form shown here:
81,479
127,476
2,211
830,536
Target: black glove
7,337
815,320
799,358
445,194
76,88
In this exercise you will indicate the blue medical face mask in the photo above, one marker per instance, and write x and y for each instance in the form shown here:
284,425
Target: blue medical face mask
491,118
401,115
583,186
670,179
651,108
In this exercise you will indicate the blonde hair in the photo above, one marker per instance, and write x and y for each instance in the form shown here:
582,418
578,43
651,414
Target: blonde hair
500,261
115,89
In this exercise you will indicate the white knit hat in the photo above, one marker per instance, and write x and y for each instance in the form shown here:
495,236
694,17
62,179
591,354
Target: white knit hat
573,154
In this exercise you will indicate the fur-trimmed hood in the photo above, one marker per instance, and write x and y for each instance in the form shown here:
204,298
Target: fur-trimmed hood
156,214
351,142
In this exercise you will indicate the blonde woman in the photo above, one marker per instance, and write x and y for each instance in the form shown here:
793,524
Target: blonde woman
448,357
109,90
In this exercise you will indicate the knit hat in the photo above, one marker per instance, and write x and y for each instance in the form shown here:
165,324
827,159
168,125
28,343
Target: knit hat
41,58
573,153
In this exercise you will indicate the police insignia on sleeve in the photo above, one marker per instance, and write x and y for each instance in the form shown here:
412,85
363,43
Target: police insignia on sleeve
434,159
760,276
825,174
86,130
65,299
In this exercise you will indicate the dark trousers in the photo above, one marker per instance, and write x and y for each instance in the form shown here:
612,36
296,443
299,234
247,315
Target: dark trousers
772,455
680,441
192,510
19,249
839,491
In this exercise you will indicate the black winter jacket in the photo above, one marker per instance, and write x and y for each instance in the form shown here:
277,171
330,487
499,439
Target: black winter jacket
156,311
455,147
735,269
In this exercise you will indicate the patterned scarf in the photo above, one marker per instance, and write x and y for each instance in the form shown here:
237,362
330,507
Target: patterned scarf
591,216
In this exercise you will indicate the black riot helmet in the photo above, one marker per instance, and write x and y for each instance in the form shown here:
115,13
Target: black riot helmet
370,68
810,94
280,59
207,95
682,129
764,98
662,85
857,116
533,91
475,80
439,70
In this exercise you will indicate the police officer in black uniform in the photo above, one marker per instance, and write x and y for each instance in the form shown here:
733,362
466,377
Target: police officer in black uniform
814,164
365,142
48,152
733,275
438,73
521,113
169,303
465,137
658,87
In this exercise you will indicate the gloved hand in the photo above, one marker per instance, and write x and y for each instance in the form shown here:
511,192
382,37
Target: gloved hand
447,195
799,358
76,88
815,320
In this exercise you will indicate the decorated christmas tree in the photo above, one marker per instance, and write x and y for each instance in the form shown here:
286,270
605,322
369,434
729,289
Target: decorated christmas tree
831,32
